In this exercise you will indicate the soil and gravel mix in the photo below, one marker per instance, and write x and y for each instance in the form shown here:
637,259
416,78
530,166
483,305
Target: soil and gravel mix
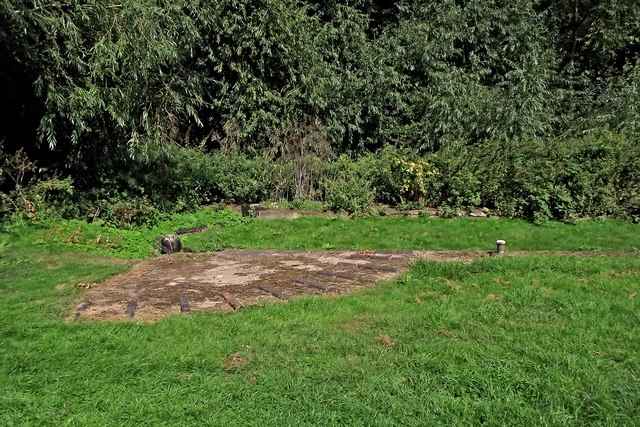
207,281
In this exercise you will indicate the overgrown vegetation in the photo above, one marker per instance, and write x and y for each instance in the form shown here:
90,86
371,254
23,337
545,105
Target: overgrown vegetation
133,109
131,243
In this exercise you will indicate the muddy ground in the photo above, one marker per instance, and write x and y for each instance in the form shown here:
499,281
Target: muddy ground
156,286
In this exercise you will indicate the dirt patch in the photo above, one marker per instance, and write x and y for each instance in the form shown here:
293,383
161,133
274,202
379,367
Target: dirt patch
386,339
157,285
235,361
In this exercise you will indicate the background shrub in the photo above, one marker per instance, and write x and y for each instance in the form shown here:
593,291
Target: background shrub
536,179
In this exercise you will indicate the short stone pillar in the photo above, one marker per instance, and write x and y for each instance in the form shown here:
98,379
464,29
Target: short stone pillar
170,244
500,249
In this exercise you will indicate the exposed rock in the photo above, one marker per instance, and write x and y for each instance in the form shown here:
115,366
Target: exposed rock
170,244
191,230
251,210
478,213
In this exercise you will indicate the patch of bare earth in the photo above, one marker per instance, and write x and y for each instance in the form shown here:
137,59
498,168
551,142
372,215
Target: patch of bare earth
386,339
235,361
158,285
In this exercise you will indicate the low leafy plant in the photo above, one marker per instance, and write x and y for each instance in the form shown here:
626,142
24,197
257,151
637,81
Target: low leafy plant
351,195
305,204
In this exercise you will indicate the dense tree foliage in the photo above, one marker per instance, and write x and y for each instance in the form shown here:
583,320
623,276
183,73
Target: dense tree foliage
87,86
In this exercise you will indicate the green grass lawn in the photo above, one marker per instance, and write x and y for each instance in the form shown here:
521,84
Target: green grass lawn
516,340
421,233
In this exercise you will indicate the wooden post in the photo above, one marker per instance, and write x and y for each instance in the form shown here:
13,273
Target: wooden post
275,292
184,305
231,301
312,284
339,275
82,307
131,308
370,267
